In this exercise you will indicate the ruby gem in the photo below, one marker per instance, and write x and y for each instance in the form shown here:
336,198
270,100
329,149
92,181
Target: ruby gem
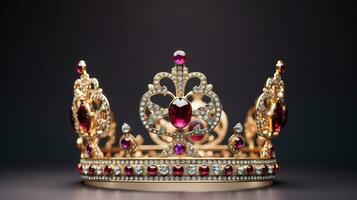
250,170
279,118
80,169
265,169
129,170
79,69
204,170
83,118
180,112
228,170
179,57
152,170
107,170
91,170
177,170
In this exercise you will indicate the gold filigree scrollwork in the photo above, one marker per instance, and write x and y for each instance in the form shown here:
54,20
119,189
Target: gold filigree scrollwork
91,115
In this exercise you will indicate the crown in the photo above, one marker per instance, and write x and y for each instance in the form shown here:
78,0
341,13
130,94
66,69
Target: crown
187,154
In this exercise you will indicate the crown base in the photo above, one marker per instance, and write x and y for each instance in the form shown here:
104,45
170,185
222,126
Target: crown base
179,187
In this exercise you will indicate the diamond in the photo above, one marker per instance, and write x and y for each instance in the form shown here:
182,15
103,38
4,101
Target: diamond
192,170
139,170
238,128
125,128
164,170
216,169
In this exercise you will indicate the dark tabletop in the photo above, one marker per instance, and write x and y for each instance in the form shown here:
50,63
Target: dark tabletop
308,182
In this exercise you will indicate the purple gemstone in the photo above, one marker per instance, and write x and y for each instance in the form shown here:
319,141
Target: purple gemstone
250,170
88,150
238,143
180,112
125,143
179,148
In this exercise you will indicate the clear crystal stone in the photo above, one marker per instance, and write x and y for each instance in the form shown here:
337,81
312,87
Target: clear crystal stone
192,170
241,170
164,169
216,169
238,128
138,170
116,170
125,128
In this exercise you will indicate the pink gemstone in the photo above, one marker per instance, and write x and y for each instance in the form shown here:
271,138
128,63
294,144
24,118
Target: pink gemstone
152,170
228,170
107,170
79,69
88,150
80,169
83,118
192,125
91,170
125,143
177,170
250,170
129,170
179,148
179,58
238,143
279,118
265,169
204,170
180,112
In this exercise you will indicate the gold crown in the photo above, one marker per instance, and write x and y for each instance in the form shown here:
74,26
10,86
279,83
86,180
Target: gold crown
187,154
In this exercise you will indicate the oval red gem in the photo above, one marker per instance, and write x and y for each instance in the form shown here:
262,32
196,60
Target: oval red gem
180,112
83,118
279,118
179,57
125,143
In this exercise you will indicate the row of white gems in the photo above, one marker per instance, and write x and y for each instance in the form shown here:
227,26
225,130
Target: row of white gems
180,178
180,81
190,170
177,161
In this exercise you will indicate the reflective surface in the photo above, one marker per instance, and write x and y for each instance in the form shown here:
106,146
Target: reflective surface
310,182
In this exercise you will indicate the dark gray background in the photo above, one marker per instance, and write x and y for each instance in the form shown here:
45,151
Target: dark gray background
235,43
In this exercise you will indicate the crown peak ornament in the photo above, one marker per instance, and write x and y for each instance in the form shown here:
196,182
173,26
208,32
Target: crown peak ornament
188,134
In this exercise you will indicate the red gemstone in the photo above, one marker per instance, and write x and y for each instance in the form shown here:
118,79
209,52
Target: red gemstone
228,170
129,170
125,143
179,58
80,169
83,118
276,169
180,112
152,170
107,170
177,170
192,125
179,148
204,170
91,170
250,170
265,170
79,69
279,118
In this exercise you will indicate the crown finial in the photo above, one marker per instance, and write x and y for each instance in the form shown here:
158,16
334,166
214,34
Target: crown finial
280,67
81,67
179,57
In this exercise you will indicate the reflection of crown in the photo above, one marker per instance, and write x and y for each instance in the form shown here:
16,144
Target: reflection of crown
187,155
